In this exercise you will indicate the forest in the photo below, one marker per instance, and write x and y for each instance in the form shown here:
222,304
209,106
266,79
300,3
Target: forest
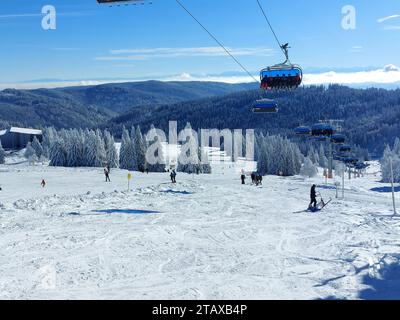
370,115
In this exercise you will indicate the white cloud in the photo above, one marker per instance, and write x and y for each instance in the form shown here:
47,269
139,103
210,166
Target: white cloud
387,75
395,16
121,58
153,53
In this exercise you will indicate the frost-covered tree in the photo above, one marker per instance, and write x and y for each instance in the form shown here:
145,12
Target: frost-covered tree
262,163
140,150
313,155
111,151
155,157
29,151
100,151
49,136
127,152
323,161
75,148
278,155
189,158
2,154
308,169
390,157
58,153
37,147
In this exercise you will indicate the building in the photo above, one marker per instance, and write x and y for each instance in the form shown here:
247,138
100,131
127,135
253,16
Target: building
17,138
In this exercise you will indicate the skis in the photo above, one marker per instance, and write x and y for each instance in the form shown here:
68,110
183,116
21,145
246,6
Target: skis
320,206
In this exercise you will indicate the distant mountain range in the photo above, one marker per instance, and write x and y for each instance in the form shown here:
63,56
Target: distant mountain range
93,105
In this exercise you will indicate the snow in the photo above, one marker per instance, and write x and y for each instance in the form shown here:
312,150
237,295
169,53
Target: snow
206,237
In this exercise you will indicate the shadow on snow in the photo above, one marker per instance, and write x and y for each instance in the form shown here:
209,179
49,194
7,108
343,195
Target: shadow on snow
125,211
386,189
386,284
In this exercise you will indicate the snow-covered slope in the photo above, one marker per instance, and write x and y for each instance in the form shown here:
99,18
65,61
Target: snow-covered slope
207,237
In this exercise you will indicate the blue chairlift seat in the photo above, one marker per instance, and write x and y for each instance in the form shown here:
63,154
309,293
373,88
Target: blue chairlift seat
265,106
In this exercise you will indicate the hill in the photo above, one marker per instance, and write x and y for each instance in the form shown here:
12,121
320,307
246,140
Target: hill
92,105
371,115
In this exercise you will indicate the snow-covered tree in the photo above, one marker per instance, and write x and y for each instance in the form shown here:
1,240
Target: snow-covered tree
140,150
49,136
58,154
313,155
390,157
101,156
111,151
323,160
127,152
189,158
2,154
29,151
278,155
37,147
155,158
308,169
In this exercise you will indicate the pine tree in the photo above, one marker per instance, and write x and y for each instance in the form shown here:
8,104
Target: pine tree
308,169
100,151
111,151
29,151
155,151
37,147
75,146
323,161
58,154
188,160
140,150
127,154
49,136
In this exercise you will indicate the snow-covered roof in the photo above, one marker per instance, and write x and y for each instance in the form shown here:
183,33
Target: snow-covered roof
25,131
3,132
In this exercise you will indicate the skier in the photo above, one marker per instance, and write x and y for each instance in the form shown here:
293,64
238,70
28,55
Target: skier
243,177
173,176
259,179
253,178
107,174
43,183
313,196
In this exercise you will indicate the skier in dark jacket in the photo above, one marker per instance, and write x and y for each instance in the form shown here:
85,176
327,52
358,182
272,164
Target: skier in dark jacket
313,196
173,176
259,179
107,174
253,178
243,177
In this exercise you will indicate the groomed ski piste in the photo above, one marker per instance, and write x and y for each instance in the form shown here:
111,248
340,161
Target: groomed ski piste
207,237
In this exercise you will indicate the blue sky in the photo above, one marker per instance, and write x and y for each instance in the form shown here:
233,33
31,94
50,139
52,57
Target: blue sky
160,41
